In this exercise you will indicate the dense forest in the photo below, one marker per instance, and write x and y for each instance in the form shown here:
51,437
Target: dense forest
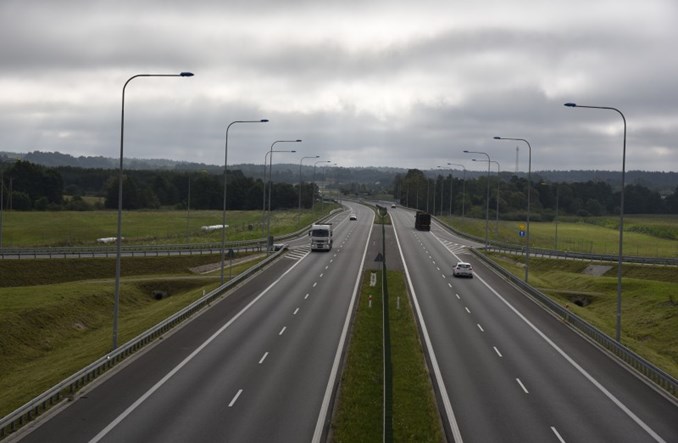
29,186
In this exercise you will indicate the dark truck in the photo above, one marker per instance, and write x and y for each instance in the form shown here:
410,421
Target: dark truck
422,221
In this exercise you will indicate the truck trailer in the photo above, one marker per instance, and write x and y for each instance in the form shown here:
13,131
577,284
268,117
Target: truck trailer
422,221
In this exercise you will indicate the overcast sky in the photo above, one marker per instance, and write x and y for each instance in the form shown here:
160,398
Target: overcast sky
363,83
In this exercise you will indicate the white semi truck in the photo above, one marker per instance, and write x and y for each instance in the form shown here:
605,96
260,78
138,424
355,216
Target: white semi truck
321,237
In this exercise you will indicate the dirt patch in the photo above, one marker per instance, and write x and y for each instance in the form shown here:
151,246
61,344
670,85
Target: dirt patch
596,270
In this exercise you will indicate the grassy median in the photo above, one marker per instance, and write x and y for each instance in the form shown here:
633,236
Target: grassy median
359,412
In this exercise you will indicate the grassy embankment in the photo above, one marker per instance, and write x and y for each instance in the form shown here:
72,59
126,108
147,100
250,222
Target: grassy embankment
56,315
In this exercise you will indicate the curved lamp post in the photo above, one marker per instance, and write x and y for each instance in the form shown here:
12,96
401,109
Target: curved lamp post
529,187
116,302
270,189
621,214
463,188
487,199
300,182
223,217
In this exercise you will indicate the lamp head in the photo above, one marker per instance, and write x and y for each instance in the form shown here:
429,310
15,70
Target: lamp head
497,138
570,105
298,141
466,151
186,74
264,120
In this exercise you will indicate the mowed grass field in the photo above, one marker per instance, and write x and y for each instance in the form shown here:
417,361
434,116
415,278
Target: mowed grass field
648,236
68,228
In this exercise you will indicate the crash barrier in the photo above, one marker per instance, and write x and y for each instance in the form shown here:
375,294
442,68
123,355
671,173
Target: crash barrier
656,375
68,388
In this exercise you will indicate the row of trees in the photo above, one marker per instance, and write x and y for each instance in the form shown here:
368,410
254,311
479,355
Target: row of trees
508,193
28,186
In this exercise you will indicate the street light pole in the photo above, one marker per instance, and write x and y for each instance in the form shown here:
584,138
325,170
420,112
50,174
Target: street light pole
223,217
314,165
270,190
496,223
529,187
487,199
463,188
621,215
300,181
116,301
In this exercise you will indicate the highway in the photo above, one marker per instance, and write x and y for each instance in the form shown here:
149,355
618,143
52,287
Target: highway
508,371
260,365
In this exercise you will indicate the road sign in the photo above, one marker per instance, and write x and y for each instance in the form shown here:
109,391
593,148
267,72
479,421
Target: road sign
521,233
522,226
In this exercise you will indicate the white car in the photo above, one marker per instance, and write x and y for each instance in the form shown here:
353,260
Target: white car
353,217
462,269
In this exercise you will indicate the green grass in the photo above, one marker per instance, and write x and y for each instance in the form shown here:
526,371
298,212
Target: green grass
360,401
649,302
643,235
68,228
48,331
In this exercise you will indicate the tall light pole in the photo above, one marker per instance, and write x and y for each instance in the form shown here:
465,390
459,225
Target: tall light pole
314,165
529,187
263,201
270,189
116,302
487,199
300,181
442,193
223,217
621,215
463,188
496,223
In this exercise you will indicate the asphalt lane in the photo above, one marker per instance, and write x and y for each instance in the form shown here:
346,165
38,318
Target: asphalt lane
513,372
257,366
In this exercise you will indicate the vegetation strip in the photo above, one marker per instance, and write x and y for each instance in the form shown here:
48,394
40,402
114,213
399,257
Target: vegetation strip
358,415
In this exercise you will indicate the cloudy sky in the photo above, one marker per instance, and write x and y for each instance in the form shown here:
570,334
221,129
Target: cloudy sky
362,82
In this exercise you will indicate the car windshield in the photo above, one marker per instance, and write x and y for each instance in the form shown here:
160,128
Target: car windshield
319,233
463,265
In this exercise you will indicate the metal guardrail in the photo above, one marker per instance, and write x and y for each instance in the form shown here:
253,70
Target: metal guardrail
656,375
70,386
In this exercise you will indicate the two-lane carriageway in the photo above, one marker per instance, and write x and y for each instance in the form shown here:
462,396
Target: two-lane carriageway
507,370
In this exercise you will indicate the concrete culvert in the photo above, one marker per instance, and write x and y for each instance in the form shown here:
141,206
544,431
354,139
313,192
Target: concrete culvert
159,295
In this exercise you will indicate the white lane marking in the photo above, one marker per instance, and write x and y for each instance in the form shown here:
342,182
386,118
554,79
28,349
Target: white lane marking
326,267
321,275
437,268
324,408
555,431
442,275
282,331
295,311
263,357
315,284
467,309
459,298
576,365
451,419
306,296
480,327
230,405
450,285
522,385
185,361
497,351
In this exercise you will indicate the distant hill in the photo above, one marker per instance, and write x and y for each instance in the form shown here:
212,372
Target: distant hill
664,182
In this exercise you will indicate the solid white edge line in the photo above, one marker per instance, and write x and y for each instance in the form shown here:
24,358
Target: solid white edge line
456,433
263,357
324,408
184,362
282,331
497,351
581,370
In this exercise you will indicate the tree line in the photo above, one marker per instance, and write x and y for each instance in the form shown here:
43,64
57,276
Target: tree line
455,195
27,186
